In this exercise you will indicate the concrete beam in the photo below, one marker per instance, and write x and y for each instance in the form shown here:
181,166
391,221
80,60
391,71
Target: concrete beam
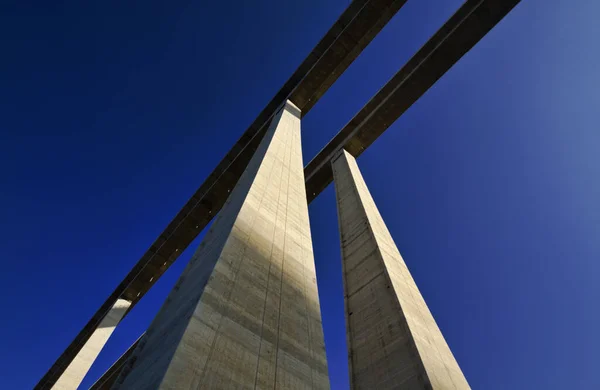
473,20
345,40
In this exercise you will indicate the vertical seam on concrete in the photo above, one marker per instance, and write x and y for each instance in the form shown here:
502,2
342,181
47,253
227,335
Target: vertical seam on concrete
282,268
395,298
254,218
368,223
229,224
346,319
269,271
368,197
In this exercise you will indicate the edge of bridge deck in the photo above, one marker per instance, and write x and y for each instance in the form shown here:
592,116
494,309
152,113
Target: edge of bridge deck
473,20
345,40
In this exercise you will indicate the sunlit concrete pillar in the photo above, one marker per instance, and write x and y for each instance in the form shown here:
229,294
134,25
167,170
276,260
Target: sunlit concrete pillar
76,371
245,312
393,340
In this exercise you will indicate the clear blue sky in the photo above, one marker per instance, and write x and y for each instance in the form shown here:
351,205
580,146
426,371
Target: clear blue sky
112,113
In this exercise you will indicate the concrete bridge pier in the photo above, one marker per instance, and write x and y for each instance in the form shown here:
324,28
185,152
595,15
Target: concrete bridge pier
393,340
245,312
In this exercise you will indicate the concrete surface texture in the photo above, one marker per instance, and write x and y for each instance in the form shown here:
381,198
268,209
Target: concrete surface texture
245,313
71,378
393,340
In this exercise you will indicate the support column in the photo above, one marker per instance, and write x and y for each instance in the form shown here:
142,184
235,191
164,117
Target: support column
393,340
245,312
71,378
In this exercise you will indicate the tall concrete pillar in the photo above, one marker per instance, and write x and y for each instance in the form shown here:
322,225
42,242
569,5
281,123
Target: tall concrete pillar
393,340
245,312
71,378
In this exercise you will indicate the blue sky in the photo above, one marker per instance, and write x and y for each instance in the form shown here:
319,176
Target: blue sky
113,113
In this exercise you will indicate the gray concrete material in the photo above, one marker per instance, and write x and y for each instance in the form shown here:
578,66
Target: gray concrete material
393,340
345,40
245,312
73,375
473,20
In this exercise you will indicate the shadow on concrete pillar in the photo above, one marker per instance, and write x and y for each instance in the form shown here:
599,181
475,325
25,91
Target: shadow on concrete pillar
245,312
